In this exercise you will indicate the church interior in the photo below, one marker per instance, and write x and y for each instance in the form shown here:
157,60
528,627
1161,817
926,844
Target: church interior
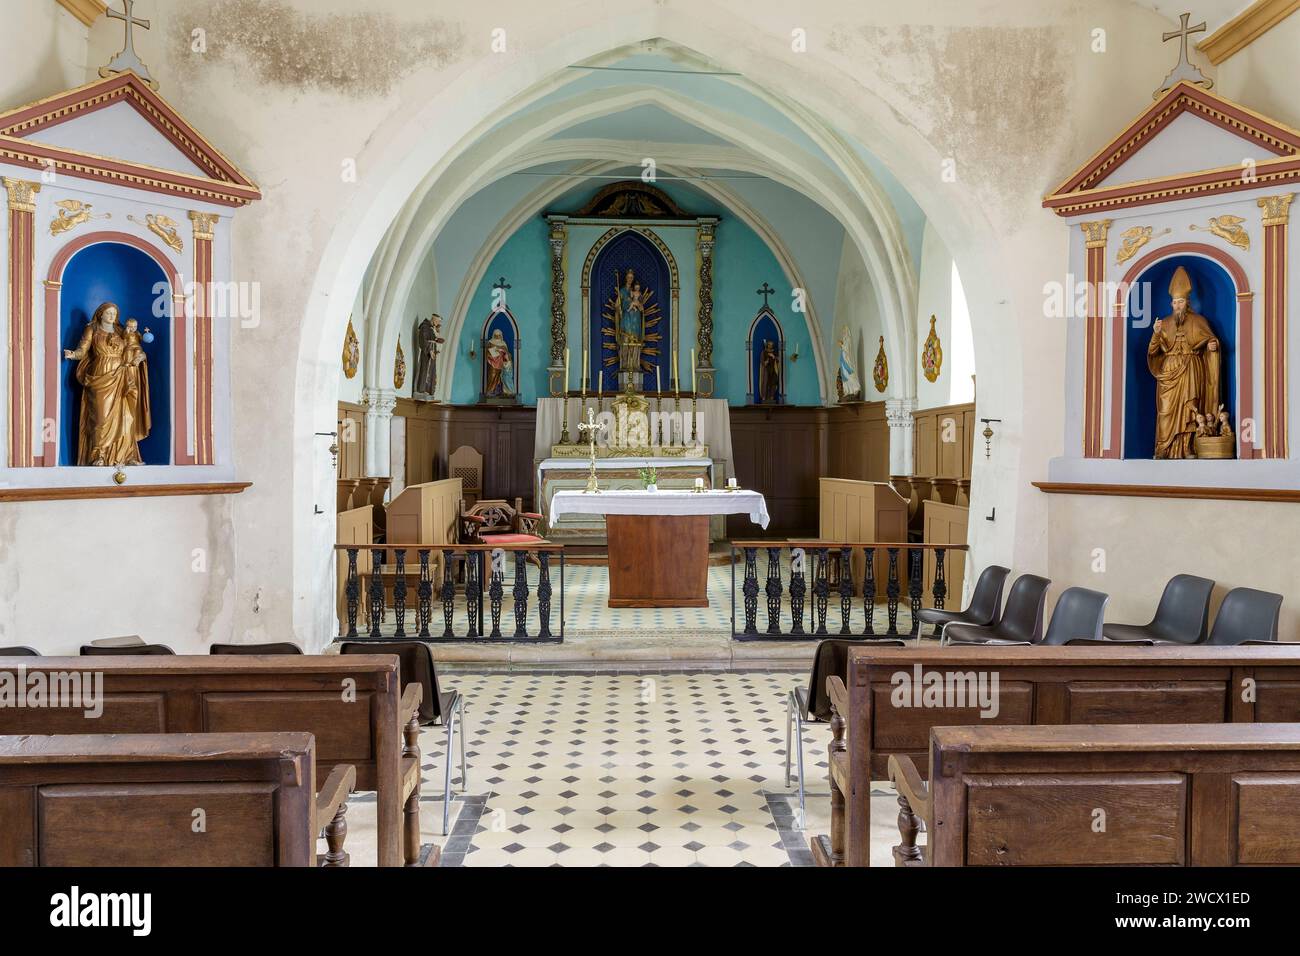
649,433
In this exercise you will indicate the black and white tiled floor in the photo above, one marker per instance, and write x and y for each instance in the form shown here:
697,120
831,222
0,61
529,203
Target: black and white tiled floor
624,769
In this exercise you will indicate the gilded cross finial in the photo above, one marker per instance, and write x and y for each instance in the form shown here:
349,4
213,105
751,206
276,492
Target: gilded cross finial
1184,70
128,59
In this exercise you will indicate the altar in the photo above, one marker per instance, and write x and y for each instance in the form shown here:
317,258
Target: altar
659,540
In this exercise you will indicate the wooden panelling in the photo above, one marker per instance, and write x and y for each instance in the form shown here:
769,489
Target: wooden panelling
351,440
858,442
1139,702
853,511
503,434
944,524
942,441
1265,809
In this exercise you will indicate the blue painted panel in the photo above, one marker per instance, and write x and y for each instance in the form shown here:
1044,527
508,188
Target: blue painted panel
113,272
1214,296
631,251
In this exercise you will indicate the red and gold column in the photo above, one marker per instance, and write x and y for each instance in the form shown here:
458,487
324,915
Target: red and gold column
22,232
1094,363
204,223
1275,216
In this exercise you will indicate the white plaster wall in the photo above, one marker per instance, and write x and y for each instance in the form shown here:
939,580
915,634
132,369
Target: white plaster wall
49,45
934,297
1012,92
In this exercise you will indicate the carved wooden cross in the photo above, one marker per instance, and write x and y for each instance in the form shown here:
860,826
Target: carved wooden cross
765,292
127,59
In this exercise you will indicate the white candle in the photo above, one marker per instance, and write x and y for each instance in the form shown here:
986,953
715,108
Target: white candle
676,379
566,371
582,375
658,388
699,484
692,371
731,483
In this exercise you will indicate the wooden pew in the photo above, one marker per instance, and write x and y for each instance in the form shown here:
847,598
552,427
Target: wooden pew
351,704
1036,685
131,800
1114,794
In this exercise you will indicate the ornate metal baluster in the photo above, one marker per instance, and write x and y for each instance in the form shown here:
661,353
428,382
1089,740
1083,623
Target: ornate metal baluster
353,591
495,593
424,595
846,589
892,591
473,592
376,591
544,594
520,594
916,558
940,587
399,591
797,589
869,592
750,590
821,590
448,592
773,590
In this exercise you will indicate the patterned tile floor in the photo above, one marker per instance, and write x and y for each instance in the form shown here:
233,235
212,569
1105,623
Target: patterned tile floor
624,769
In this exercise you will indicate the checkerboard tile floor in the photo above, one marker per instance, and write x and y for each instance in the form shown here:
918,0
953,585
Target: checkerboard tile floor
588,769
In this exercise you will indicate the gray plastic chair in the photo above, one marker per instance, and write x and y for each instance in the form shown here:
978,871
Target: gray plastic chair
1021,621
985,603
125,650
1182,616
812,704
1078,615
1246,615
19,651
276,647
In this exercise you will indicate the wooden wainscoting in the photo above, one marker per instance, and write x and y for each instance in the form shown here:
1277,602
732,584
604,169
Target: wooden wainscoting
932,456
945,524
351,440
779,450
858,442
502,433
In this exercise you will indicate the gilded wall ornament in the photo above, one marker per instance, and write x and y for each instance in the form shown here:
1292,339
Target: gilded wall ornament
1229,228
1276,209
164,227
22,194
932,354
1095,233
1133,239
880,369
72,213
351,351
399,368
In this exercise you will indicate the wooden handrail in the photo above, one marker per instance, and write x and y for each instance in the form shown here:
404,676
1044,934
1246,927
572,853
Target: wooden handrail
833,545
520,546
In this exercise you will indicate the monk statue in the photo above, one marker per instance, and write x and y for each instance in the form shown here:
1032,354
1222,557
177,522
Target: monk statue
1184,358
114,383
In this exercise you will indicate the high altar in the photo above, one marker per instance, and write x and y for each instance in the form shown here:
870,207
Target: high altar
629,330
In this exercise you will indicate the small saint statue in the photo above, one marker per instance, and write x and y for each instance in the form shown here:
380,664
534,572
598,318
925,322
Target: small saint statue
500,367
1184,358
846,379
114,382
769,374
428,336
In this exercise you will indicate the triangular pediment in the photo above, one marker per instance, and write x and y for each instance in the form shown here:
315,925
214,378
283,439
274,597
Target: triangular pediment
119,128
1189,137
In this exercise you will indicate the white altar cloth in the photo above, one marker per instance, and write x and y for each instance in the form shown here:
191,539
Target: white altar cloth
661,503
584,464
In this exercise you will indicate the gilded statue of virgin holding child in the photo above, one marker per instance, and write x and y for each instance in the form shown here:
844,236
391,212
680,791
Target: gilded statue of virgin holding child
114,379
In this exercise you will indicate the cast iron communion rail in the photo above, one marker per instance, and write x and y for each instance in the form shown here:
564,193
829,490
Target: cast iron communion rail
819,567
393,571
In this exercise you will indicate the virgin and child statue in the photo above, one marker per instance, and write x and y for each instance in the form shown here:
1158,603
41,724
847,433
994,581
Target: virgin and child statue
499,367
1184,357
114,379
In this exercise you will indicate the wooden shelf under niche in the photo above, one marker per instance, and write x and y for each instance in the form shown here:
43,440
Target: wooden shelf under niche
1168,491
123,491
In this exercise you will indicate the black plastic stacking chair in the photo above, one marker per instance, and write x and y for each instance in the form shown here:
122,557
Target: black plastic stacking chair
1078,615
1246,615
1021,621
19,651
1182,616
984,606
415,666
125,650
812,705
275,647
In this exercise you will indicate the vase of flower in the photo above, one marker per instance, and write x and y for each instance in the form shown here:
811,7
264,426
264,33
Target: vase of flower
649,479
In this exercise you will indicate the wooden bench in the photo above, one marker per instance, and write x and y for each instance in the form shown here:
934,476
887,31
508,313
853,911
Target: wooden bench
1112,794
1035,685
168,800
350,704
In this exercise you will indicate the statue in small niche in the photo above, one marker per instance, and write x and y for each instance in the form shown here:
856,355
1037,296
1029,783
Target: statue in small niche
114,378
1184,358
769,373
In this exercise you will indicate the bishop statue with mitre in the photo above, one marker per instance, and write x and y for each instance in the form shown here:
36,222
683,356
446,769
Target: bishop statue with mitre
1184,358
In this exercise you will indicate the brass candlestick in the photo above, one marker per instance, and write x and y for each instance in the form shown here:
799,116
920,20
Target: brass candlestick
591,428
564,428
659,421
695,433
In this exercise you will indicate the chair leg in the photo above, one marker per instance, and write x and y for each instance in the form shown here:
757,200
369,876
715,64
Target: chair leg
798,729
446,778
789,721
464,767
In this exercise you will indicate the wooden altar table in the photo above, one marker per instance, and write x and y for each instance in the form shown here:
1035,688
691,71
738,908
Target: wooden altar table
659,540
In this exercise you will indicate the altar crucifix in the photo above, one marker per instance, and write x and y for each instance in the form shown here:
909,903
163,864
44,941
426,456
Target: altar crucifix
127,59
592,428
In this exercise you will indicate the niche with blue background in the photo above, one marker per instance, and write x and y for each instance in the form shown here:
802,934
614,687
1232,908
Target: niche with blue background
1214,295
630,250
504,321
765,328
114,272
